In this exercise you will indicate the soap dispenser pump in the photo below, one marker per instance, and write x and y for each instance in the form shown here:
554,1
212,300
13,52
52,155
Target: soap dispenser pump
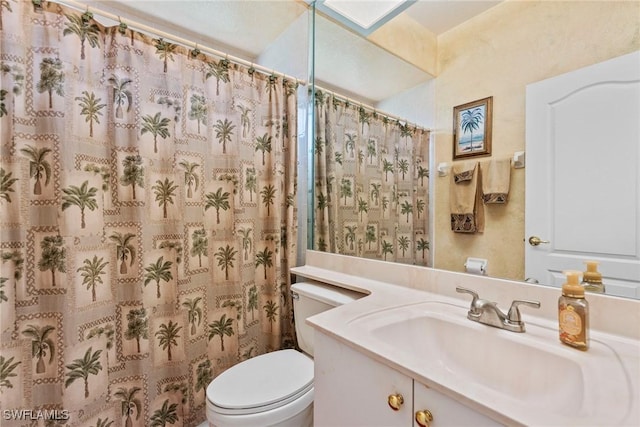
592,278
573,313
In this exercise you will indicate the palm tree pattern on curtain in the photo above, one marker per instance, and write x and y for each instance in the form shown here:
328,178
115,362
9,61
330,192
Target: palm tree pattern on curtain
371,185
148,219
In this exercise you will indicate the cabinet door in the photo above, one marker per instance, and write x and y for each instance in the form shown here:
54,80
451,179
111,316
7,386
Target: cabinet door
445,410
352,390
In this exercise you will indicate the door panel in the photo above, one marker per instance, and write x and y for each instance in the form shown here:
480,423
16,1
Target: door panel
353,390
447,412
583,174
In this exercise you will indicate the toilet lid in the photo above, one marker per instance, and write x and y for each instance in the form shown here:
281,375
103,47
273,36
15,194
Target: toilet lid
262,383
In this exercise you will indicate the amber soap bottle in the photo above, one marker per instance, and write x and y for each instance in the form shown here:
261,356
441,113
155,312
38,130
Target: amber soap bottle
573,313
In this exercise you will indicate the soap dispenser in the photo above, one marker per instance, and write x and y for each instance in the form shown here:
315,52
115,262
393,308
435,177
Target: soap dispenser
573,313
592,278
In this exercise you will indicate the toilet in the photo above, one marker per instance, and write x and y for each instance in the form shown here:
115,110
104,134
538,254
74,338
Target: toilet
276,389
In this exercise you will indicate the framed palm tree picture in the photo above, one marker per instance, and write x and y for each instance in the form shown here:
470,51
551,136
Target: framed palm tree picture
472,128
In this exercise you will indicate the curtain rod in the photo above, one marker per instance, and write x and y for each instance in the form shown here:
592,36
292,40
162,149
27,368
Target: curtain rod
189,44
369,107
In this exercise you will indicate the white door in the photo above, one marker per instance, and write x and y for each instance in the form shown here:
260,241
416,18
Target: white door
583,174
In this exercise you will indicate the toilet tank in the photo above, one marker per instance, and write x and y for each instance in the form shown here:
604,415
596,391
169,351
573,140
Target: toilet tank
313,298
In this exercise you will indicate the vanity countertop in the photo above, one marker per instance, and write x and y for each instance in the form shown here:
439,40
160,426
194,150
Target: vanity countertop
619,406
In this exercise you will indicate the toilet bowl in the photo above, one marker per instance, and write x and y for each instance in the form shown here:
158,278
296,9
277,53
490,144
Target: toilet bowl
275,389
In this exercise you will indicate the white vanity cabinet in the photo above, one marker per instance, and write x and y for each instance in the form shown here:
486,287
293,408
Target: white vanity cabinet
352,389
445,410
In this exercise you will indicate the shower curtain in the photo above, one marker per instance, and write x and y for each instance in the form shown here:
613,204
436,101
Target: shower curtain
148,220
371,183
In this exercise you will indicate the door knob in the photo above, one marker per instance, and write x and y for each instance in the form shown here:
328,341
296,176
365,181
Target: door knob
395,401
424,417
535,241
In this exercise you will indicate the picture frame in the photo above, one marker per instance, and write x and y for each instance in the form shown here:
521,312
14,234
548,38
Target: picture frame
472,123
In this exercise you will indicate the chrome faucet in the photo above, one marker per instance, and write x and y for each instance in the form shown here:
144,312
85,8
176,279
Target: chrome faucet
487,312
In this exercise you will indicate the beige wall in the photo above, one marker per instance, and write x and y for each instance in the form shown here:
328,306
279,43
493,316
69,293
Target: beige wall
410,41
498,54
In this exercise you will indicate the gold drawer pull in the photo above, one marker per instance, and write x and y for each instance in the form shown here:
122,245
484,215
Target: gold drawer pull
423,418
395,401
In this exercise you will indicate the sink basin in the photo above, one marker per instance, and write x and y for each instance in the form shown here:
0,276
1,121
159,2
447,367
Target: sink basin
531,369
488,358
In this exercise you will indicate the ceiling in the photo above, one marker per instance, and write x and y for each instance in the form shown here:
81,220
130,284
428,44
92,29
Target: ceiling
247,29
362,16
349,64
242,28
439,16
436,16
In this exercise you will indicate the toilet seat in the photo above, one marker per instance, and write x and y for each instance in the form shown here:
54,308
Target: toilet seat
262,383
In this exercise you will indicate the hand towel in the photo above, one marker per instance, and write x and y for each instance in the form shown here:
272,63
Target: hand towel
496,178
467,211
463,172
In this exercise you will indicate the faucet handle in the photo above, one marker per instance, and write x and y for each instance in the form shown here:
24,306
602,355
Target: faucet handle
474,294
514,313
467,291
